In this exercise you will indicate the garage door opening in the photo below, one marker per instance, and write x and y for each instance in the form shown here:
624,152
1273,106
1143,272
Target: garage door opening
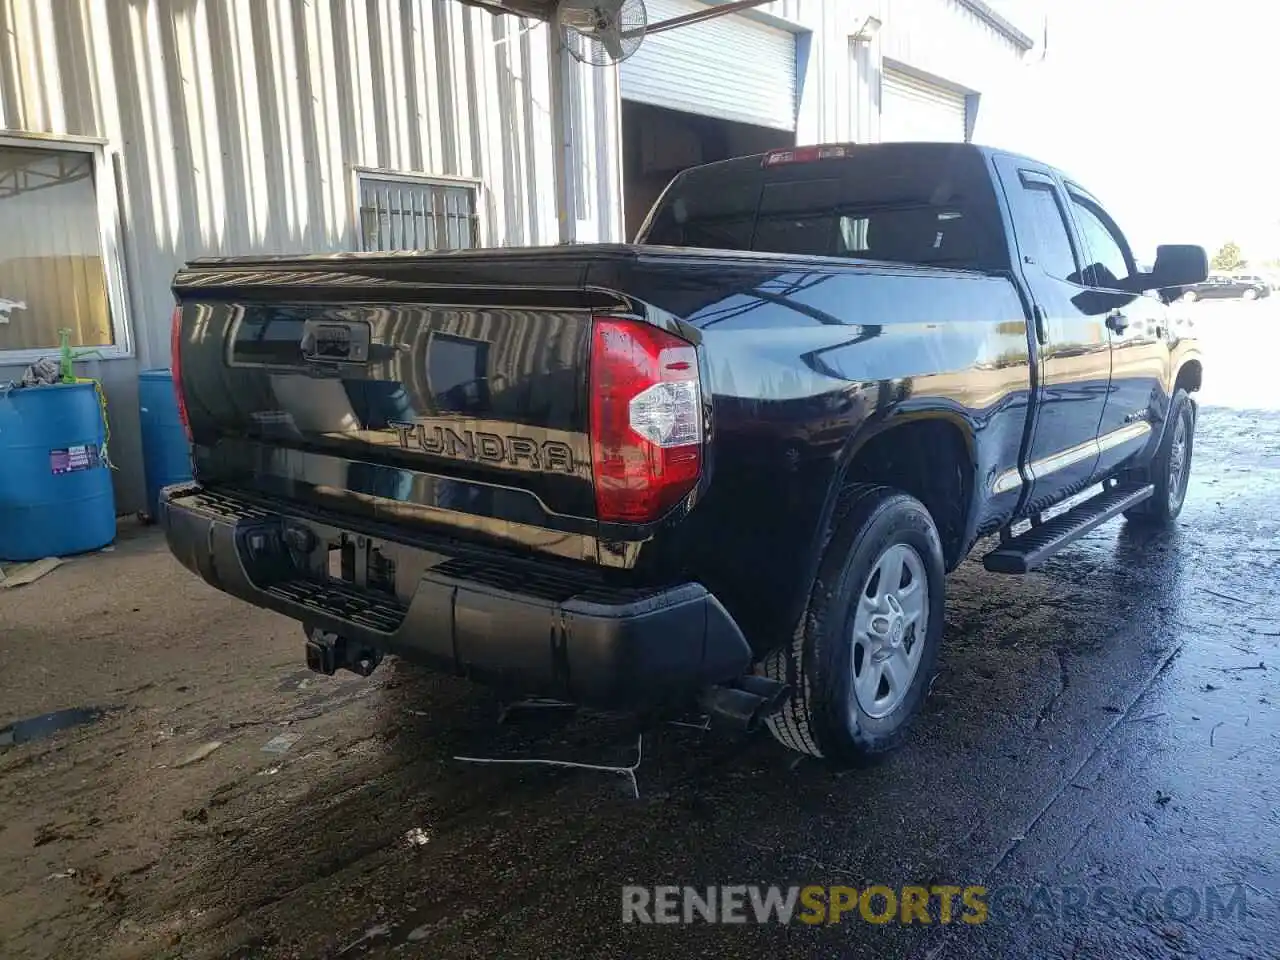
913,108
658,143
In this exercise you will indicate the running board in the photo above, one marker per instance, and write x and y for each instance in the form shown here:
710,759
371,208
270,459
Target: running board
1029,550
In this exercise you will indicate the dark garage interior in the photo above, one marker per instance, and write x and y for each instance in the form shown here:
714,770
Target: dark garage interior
658,143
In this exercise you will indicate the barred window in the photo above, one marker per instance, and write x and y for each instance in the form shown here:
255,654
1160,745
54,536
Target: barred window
401,212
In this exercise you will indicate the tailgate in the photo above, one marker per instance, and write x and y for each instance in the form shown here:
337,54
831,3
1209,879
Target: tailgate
443,390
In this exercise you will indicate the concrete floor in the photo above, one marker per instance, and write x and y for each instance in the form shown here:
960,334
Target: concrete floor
1111,720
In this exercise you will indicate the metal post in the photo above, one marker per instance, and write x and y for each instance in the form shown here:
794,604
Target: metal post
561,148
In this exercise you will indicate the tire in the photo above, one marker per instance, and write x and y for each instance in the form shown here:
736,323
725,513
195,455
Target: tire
829,714
1162,509
1249,295
1190,296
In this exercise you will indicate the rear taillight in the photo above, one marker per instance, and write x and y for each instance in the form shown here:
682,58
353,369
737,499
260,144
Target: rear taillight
175,368
646,419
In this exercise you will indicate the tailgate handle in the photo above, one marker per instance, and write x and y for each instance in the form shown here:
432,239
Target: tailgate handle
336,341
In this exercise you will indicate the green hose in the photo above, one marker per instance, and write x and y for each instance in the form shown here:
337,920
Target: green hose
66,360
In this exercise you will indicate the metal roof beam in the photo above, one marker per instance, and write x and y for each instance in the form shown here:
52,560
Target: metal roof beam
710,13
545,10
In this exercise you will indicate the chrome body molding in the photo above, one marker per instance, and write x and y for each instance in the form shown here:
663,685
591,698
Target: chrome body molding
1012,479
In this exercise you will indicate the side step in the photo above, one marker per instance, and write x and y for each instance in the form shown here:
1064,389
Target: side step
1029,550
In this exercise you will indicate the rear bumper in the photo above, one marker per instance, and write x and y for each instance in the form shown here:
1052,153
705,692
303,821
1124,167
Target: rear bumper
521,625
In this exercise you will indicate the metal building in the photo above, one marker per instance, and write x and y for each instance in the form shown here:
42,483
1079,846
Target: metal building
136,134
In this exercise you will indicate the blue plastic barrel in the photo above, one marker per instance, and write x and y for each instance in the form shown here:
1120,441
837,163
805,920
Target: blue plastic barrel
166,456
55,488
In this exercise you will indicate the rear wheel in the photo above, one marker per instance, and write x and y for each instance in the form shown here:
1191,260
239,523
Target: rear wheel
1190,296
1170,471
1250,294
863,656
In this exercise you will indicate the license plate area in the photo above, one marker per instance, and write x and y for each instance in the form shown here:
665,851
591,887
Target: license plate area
274,548
360,561
342,561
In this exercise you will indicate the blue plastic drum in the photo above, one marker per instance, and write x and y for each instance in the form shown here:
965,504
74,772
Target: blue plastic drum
55,487
166,455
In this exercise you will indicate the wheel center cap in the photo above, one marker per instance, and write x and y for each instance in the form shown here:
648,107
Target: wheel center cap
896,630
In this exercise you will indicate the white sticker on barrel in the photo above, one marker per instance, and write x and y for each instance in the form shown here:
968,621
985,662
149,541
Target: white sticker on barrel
70,459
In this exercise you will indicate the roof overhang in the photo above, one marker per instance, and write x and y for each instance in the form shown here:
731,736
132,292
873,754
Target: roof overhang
997,23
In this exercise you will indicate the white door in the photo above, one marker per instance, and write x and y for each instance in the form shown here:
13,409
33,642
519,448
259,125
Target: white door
914,109
731,68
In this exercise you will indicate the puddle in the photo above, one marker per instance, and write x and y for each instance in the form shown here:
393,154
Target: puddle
47,724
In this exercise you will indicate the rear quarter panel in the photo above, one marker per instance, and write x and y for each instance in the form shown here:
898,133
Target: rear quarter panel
805,361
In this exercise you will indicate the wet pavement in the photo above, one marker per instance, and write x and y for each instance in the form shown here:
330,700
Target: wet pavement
1107,724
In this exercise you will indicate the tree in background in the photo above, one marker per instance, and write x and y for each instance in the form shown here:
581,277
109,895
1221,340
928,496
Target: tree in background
1228,258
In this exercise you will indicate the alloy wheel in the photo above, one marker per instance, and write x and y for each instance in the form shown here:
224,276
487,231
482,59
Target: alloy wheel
889,627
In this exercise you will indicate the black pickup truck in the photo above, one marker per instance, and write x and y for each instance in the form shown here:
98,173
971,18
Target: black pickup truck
730,463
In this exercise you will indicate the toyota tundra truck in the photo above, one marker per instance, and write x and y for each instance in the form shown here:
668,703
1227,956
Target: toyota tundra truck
729,464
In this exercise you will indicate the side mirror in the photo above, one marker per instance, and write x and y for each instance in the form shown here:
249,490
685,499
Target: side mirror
1177,265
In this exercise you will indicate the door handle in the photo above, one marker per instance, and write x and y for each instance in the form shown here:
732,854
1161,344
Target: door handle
336,341
1117,321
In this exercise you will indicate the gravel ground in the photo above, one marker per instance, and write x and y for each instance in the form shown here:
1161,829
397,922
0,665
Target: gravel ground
1110,720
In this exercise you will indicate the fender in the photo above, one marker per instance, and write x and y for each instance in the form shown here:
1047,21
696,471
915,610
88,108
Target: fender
878,424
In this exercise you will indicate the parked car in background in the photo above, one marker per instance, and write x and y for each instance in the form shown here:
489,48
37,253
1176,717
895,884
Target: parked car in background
1255,278
1224,288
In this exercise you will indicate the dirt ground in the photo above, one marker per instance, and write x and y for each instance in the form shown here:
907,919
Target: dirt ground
1110,720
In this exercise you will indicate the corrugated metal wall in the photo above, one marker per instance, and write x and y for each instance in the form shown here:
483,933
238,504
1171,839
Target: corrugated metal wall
238,122
237,125
949,40
594,131
833,99
840,87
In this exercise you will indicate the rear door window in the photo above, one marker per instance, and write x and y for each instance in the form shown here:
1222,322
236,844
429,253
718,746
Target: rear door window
1043,233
